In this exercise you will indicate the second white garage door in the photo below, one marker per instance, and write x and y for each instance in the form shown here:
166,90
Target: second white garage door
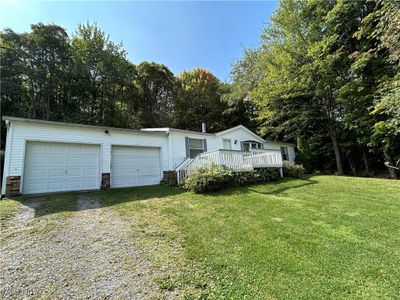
135,166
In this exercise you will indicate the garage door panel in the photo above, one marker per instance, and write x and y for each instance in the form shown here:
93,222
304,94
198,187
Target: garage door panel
74,161
135,166
87,184
57,149
36,189
55,185
89,161
54,172
37,173
89,172
57,160
52,167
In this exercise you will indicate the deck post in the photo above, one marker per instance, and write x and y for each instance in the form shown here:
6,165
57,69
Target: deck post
281,172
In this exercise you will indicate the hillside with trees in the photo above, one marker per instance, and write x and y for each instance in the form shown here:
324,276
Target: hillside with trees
325,76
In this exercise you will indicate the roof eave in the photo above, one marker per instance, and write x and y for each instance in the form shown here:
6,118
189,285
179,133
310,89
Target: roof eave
54,123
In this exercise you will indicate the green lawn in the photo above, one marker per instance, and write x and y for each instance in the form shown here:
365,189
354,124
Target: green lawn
324,237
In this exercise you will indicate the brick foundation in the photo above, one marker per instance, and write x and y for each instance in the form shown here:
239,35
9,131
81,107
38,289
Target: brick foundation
169,173
13,184
105,181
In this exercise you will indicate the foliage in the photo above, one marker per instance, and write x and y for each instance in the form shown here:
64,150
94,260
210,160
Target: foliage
205,180
157,90
199,101
88,79
305,156
320,69
256,176
169,179
214,178
293,170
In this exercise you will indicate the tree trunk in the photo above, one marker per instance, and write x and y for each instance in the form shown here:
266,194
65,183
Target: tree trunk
352,165
365,158
336,149
388,158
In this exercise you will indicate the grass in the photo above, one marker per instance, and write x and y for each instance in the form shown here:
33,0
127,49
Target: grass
8,208
324,237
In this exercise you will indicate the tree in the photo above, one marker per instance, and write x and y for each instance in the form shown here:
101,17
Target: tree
300,74
199,100
389,91
317,73
157,93
35,71
101,76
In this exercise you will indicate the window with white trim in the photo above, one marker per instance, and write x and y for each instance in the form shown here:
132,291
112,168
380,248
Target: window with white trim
251,145
285,153
196,146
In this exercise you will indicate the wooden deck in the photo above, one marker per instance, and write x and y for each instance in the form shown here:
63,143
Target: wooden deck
239,161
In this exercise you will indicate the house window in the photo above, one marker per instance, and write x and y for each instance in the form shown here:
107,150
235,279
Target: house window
196,146
227,144
251,145
285,153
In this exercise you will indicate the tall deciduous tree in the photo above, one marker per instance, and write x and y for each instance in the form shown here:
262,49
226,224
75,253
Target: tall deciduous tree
101,74
157,92
199,100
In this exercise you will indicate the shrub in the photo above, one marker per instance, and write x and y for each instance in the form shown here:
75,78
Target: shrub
208,180
293,170
169,179
217,177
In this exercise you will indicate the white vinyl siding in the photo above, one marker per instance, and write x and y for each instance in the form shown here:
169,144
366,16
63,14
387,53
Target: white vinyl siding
227,144
58,167
25,132
135,166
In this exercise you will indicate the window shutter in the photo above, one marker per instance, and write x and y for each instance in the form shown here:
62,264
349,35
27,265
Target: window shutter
205,145
187,147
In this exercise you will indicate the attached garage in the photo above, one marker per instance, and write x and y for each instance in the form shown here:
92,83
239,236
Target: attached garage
135,166
58,167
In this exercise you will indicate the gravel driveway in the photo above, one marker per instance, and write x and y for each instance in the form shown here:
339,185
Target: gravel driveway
84,255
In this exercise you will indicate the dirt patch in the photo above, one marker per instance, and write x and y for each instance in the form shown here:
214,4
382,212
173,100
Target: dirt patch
89,254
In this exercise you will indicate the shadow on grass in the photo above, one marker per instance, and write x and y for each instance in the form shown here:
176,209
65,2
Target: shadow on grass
269,188
69,202
283,189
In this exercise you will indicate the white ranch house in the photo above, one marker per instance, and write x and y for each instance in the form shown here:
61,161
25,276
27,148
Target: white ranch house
45,156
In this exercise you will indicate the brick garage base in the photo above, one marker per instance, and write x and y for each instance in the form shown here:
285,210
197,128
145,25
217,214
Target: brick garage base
105,181
13,184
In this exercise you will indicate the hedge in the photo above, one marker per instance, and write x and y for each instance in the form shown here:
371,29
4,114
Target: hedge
214,178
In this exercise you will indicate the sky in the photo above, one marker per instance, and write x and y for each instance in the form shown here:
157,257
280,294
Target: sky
181,35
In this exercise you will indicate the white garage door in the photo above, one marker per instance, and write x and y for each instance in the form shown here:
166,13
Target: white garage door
56,167
135,166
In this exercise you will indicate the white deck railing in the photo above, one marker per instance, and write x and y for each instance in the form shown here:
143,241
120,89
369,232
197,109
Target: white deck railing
239,161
